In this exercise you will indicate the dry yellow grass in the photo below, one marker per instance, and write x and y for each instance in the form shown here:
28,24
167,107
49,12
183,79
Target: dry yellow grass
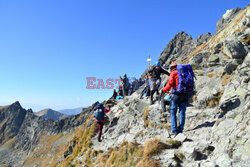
198,73
45,147
82,140
128,154
198,49
147,123
148,163
225,79
214,101
146,113
246,40
211,75
153,147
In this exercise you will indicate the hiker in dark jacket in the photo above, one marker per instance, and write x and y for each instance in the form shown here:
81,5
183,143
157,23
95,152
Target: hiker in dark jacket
155,73
134,85
125,85
120,91
114,94
99,116
177,101
140,83
146,89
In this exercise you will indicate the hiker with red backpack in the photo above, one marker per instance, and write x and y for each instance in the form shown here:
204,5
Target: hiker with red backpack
181,81
99,116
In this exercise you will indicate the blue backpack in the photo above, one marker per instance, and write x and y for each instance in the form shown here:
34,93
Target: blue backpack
99,114
186,79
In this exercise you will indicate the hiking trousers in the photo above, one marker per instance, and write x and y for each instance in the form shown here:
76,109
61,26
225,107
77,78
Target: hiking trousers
164,103
173,110
100,127
154,86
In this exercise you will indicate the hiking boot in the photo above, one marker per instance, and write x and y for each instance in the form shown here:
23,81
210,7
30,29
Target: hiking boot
99,139
174,134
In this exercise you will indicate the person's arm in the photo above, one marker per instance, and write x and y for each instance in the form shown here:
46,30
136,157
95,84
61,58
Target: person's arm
107,110
165,72
170,83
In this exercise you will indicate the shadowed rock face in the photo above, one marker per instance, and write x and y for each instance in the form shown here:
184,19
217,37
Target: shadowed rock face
179,47
11,119
176,47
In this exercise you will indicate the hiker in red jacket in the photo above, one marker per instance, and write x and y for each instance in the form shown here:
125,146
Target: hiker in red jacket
178,100
99,116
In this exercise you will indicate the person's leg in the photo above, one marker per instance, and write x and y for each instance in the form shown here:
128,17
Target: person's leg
151,96
173,110
124,91
148,91
163,107
182,108
152,90
157,85
100,127
143,92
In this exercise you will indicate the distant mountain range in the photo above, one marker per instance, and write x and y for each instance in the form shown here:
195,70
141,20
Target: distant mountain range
51,114
58,115
73,111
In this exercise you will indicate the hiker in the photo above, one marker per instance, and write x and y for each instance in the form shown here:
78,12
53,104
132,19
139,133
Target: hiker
156,72
165,100
99,116
125,85
119,93
134,85
140,83
181,81
114,94
146,89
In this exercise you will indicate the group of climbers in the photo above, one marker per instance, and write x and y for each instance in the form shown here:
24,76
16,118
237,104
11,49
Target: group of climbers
176,92
126,88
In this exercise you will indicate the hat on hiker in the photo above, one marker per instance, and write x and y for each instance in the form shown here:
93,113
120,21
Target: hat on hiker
158,63
99,106
173,64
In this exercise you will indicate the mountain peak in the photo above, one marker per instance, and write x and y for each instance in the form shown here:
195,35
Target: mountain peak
49,113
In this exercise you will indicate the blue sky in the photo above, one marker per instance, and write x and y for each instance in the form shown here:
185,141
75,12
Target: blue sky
49,47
